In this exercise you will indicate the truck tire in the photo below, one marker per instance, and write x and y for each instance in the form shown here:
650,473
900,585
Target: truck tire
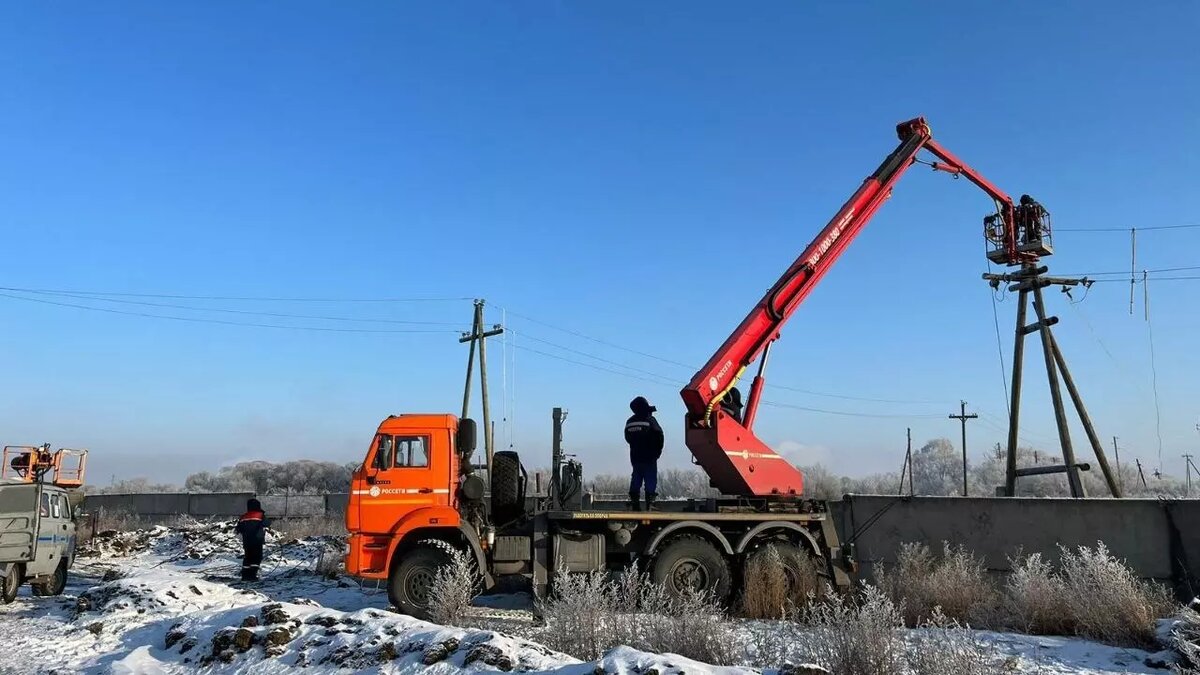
10,583
692,563
56,584
507,502
412,578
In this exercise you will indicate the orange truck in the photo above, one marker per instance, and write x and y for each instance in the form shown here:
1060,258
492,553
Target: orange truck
417,497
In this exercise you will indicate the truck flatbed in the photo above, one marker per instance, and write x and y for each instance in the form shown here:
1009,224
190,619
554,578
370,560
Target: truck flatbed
649,516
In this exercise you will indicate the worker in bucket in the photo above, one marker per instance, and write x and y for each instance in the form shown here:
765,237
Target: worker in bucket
253,528
645,439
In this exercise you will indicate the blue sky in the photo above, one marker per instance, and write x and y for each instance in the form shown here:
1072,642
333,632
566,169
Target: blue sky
637,173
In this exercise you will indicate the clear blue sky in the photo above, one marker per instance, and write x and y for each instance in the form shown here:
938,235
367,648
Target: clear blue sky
639,173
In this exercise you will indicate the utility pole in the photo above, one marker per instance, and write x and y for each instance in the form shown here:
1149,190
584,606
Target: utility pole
962,417
907,467
1141,474
479,335
1117,457
1187,466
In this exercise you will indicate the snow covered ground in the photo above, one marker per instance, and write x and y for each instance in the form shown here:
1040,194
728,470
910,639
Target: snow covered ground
169,601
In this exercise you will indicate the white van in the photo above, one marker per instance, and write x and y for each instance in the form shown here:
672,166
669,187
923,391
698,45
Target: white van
37,538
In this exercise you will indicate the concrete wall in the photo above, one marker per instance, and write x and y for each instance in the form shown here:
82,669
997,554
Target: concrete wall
162,506
1159,539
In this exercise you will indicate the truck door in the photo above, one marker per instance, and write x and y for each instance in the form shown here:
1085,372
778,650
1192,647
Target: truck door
18,522
404,473
56,533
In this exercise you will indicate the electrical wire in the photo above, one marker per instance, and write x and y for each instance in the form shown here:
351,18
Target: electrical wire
244,312
1125,229
1153,371
235,297
1124,272
192,319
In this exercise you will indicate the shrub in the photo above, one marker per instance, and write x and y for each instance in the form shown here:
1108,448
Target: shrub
941,646
1185,639
454,588
1107,602
777,583
1035,598
589,614
957,583
855,639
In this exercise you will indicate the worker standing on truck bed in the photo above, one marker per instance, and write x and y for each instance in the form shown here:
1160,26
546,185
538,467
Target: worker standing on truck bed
253,528
645,439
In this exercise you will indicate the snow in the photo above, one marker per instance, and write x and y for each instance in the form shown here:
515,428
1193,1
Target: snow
168,600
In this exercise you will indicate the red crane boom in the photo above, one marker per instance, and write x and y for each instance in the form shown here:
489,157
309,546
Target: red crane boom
718,435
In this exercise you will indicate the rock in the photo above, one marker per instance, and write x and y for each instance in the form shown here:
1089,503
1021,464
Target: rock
599,670
1157,663
171,594
111,575
83,604
279,637
274,613
226,656
490,655
174,636
250,622
222,641
388,652
650,671
187,645
192,588
243,639
802,669
326,621
440,651
95,628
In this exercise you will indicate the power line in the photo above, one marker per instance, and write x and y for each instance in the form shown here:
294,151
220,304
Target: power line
1125,229
245,298
693,368
1125,272
237,311
192,319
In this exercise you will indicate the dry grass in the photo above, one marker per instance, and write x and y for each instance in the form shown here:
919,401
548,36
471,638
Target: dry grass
942,646
454,588
1185,640
592,613
778,582
957,583
851,638
1092,595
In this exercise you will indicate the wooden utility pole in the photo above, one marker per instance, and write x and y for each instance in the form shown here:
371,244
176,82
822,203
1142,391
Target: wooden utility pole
1141,474
1117,458
479,335
962,417
1187,466
907,468
1028,283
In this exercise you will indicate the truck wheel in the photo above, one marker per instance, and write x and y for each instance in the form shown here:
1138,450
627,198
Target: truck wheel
55,585
412,578
692,564
11,582
506,486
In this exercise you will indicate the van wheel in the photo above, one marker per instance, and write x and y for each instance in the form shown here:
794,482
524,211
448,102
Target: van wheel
11,582
692,565
55,585
412,578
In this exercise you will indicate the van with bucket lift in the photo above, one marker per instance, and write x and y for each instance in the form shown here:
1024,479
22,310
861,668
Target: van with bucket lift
37,519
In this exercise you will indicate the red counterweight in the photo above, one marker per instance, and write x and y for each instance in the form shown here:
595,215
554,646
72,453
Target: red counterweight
718,435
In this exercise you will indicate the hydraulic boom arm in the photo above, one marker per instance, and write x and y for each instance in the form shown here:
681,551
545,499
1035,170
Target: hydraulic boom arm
718,435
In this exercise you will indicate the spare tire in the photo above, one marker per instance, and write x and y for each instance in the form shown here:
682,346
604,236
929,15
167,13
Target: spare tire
508,489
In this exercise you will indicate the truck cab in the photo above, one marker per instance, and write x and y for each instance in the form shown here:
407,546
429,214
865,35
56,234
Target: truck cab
37,519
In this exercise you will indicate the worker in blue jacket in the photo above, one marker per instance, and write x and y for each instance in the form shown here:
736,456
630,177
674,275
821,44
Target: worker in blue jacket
645,439
253,528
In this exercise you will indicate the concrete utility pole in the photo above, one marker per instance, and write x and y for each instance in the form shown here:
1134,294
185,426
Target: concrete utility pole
962,417
907,467
480,336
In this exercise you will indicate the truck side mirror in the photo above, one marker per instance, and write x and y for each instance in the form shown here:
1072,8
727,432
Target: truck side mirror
466,437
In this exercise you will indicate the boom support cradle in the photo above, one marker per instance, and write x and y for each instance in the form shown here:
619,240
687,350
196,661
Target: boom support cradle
723,442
